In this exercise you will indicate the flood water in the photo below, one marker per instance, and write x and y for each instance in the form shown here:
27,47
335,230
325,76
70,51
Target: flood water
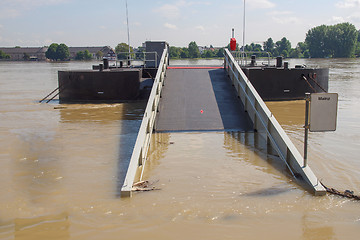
62,165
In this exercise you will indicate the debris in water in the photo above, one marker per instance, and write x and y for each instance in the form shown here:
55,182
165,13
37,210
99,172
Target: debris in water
144,186
60,107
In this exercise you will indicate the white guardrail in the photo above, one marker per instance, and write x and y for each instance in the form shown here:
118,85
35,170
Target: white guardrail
266,124
142,143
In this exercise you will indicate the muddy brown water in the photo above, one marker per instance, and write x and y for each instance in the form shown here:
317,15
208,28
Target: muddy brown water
62,165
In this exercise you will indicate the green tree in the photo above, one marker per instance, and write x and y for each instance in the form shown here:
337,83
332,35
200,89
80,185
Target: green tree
220,52
342,39
122,50
295,53
62,52
338,40
208,54
256,47
306,54
283,47
285,54
302,46
79,55
184,53
194,50
99,55
269,45
51,52
83,55
299,51
316,40
174,52
357,48
4,55
87,55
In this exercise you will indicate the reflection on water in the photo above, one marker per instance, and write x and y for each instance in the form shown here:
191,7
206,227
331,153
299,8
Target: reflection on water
43,227
101,113
62,167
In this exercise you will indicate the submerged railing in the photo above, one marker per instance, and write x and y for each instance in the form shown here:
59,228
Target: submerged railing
267,126
142,143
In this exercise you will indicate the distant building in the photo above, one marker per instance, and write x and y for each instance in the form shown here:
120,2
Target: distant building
205,48
96,52
38,53
26,53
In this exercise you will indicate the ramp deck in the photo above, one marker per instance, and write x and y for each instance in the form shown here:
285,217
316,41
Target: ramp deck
205,99
200,99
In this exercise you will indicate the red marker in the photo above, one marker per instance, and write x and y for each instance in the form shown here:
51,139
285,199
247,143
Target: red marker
201,111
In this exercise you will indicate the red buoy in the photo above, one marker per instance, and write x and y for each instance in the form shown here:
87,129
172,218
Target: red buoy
232,42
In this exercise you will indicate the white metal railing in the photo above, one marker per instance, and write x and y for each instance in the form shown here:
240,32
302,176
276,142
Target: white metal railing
142,57
267,125
142,143
243,57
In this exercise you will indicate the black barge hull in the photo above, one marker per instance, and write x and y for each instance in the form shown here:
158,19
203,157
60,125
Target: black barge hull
108,86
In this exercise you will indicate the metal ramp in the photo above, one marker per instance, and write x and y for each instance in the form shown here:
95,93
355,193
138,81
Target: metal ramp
200,99
204,99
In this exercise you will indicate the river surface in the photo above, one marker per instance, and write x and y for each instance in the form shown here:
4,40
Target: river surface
62,165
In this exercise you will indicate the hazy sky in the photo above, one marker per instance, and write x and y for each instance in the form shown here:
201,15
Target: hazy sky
99,23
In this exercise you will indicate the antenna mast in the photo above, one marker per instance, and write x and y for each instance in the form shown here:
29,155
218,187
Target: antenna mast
244,28
127,22
243,46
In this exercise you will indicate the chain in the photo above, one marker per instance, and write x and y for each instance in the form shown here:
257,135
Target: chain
317,83
308,83
346,193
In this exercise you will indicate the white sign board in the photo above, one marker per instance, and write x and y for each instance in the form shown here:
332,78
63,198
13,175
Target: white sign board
323,112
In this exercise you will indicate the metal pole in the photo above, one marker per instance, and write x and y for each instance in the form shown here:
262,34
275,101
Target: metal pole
128,32
307,99
243,47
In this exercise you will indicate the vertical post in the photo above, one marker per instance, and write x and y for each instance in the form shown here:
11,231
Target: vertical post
144,58
156,59
127,23
307,99
243,46
244,29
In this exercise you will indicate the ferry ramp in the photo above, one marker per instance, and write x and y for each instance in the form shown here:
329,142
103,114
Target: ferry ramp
212,99
200,99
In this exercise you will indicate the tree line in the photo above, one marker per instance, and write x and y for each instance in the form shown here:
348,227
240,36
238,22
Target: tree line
193,51
335,41
61,52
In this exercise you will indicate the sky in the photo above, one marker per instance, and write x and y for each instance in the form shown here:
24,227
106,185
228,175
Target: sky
30,23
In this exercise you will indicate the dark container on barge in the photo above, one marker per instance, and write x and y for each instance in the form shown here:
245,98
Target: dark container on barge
280,83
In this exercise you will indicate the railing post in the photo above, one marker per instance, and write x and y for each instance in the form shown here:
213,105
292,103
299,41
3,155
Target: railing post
307,98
